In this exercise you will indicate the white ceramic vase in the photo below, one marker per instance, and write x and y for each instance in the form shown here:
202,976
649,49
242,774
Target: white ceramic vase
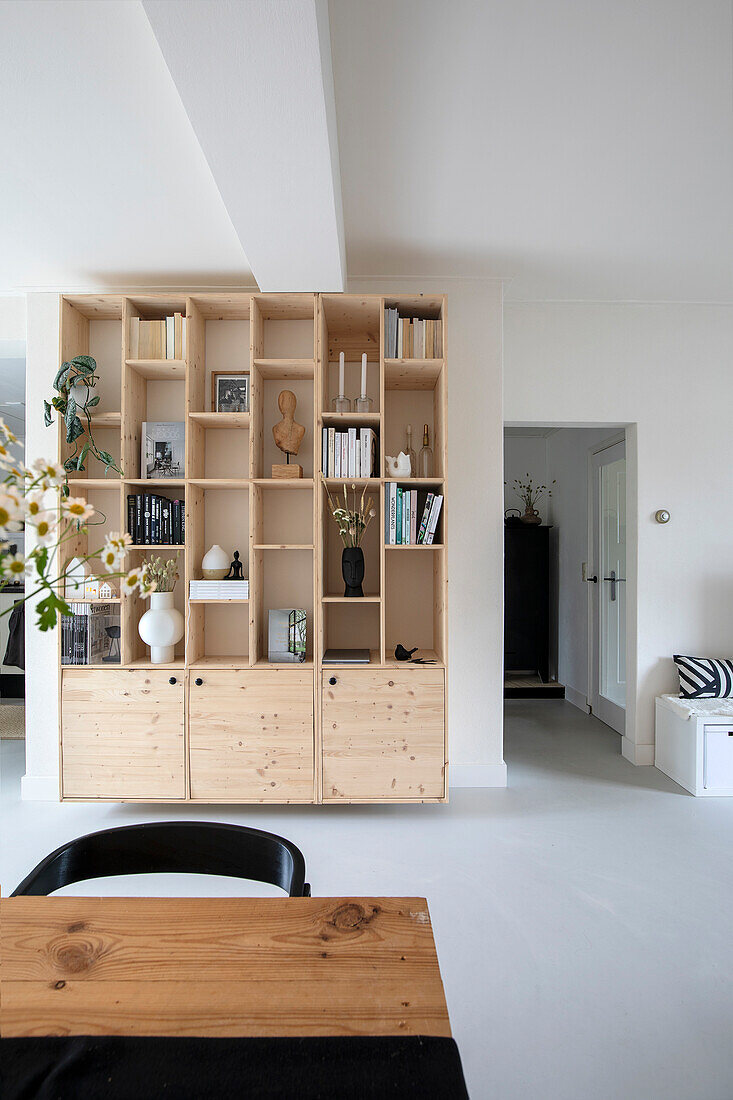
161,627
215,564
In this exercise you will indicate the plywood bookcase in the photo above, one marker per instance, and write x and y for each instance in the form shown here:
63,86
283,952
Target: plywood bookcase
221,723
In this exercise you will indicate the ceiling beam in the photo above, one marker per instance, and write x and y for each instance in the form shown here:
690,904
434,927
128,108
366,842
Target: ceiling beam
255,80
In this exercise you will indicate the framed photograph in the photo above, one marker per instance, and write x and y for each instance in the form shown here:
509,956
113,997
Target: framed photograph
229,391
286,639
163,449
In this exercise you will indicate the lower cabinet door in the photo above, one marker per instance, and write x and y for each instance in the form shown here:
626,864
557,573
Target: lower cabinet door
122,734
251,734
383,733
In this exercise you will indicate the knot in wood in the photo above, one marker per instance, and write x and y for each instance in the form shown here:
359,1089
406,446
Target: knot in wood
349,917
75,957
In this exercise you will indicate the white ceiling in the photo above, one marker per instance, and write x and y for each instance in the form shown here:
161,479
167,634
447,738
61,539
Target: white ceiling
102,181
582,147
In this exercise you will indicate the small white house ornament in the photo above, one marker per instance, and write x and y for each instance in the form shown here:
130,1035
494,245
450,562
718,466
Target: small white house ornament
91,588
398,467
106,591
76,578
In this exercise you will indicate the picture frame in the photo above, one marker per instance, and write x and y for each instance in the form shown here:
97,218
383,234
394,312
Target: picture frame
229,391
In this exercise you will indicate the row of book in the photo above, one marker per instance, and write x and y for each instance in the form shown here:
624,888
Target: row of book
412,337
91,634
164,339
153,520
218,590
352,453
410,516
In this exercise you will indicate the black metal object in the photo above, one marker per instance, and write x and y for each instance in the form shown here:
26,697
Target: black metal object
172,680
527,600
183,847
332,680
198,681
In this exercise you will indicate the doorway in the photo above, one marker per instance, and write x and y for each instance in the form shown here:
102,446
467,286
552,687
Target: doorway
572,587
607,582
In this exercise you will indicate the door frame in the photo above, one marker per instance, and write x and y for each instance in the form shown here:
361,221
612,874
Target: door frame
607,712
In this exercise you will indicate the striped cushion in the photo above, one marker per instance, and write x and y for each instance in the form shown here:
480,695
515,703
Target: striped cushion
705,677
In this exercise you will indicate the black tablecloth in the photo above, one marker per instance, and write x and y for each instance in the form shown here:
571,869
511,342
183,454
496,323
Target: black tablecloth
318,1068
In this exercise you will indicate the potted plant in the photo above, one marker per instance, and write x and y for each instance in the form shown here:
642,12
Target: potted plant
352,522
529,494
73,383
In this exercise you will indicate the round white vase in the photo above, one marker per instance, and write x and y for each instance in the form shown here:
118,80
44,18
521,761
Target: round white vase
161,627
215,564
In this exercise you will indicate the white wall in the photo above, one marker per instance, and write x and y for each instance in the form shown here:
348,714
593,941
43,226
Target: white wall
665,370
474,511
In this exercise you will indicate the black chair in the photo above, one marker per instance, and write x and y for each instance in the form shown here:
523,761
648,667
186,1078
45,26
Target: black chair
193,847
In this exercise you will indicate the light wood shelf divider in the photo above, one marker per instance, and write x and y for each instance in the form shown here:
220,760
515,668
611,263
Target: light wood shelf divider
222,721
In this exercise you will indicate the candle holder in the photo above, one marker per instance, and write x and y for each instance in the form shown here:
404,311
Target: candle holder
363,404
341,404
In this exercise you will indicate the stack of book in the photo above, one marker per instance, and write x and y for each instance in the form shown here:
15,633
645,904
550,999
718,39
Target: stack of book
90,635
412,337
164,339
352,453
218,590
410,516
153,520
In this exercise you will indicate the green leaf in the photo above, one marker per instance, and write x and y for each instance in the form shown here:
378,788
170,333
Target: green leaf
74,429
69,464
84,452
48,609
60,382
93,401
84,364
47,414
59,403
41,556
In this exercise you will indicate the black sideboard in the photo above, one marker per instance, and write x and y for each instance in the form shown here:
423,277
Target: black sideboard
527,599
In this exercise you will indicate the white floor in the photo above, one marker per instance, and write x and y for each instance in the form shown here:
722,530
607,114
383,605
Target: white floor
583,916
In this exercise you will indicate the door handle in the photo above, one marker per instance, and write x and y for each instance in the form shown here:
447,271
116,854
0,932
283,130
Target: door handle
614,581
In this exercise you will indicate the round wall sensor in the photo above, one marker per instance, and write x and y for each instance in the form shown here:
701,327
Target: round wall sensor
662,516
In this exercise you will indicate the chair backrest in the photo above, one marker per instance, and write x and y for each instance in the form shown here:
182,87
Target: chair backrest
194,847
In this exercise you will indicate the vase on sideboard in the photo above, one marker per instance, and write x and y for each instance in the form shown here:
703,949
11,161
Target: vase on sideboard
352,570
161,627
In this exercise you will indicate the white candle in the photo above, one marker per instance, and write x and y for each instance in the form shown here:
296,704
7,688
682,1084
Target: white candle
341,374
363,374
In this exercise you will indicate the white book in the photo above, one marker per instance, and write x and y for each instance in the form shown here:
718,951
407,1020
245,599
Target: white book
324,452
413,516
357,462
392,514
344,454
331,452
433,521
183,326
337,455
351,462
170,338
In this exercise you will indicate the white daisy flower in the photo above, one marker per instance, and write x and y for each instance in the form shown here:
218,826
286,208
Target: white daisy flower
12,565
11,510
77,508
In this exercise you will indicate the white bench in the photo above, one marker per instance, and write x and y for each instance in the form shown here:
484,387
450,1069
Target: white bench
694,743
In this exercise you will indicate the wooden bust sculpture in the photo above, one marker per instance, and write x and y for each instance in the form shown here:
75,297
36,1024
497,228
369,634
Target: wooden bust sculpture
288,435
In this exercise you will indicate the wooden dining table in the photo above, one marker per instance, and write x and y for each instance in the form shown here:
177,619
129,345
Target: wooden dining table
219,966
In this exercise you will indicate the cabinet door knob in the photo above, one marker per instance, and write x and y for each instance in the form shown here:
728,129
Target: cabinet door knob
172,680
332,680
198,681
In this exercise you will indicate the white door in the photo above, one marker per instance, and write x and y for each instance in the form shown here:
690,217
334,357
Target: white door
608,587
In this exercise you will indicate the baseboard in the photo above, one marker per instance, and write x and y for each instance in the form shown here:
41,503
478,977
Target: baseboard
39,788
477,775
577,698
637,754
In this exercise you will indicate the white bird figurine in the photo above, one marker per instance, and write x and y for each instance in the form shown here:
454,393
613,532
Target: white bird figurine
400,466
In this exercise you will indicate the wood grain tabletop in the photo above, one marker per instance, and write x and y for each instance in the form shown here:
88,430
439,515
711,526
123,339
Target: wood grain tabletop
219,966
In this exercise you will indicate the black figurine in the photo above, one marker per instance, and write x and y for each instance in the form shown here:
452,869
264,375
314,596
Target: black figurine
402,654
236,571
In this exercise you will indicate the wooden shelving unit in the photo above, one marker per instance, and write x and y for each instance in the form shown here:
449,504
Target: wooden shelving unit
237,727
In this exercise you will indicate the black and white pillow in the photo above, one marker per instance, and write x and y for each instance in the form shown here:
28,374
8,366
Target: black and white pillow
705,677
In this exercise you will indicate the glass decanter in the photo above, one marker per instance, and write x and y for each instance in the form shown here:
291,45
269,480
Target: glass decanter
409,451
425,459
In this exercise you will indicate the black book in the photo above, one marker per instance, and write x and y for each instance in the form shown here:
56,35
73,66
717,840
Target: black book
147,528
183,522
176,524
166,521
131,516
155,519
137,535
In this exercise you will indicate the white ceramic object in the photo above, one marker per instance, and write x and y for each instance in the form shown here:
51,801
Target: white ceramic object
215,564
398,467
161,627
77,574
81,393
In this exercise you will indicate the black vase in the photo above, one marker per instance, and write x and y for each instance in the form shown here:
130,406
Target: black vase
352,570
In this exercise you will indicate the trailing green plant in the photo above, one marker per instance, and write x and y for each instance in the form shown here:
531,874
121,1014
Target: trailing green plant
82,369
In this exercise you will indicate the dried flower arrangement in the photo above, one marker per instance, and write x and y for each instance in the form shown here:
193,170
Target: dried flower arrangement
352,521
529,493
160,575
